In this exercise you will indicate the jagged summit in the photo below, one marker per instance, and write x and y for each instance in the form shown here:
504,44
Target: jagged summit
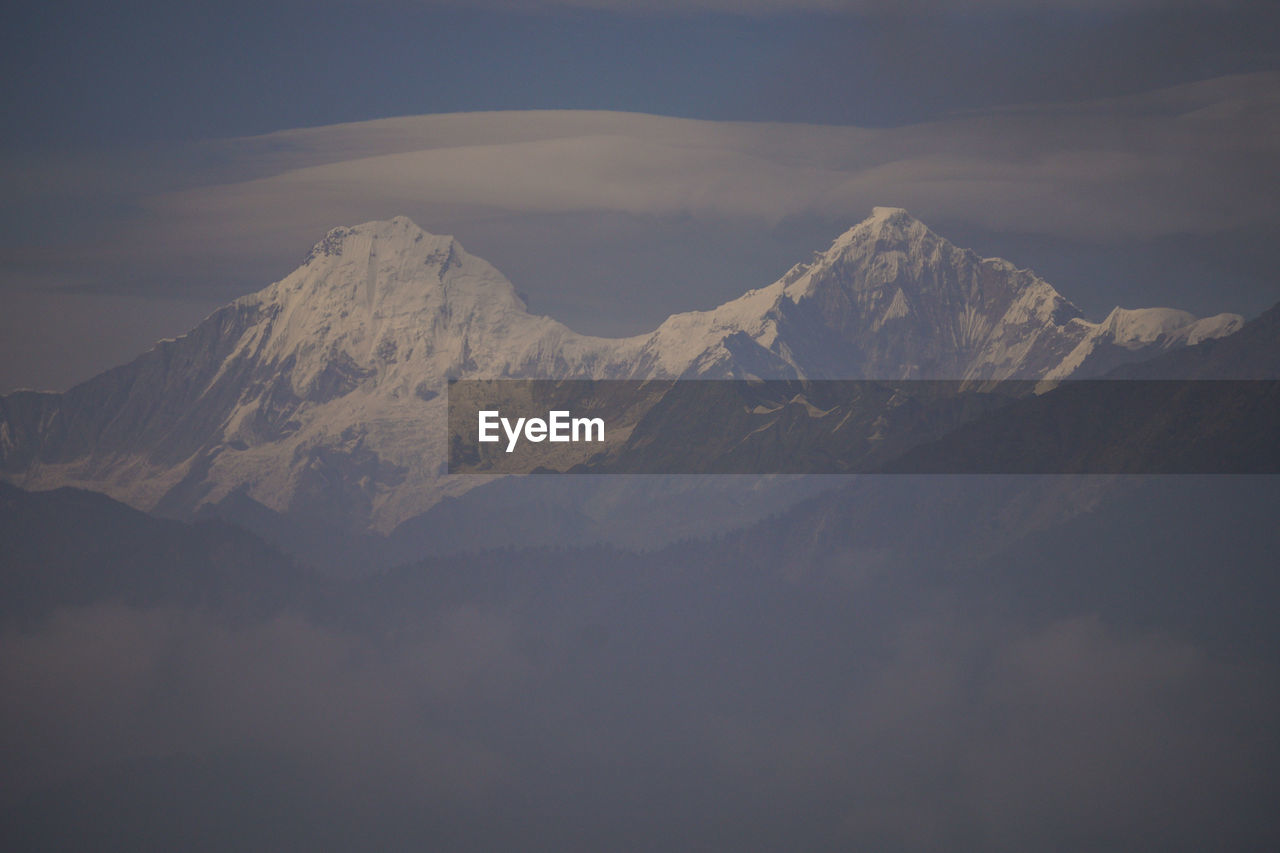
392,303
394,253
891,242
906,302
890,222
323,394
884,214
891,225
398,229
394,265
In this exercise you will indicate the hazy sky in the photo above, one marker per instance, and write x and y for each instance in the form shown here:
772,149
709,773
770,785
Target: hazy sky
1125,150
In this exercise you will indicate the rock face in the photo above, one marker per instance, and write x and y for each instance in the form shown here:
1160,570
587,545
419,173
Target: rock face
322,395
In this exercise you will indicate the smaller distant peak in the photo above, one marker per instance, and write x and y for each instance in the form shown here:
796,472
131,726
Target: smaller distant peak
397,226
891,220
395,222
887,213
399,230
884,222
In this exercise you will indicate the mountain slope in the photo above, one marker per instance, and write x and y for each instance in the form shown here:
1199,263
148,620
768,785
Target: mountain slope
322,395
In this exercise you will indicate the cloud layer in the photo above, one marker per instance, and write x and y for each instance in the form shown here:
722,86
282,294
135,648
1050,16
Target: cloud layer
1186,160
942,732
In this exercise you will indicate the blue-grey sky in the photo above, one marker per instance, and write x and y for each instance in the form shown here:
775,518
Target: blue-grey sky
1125,150
95,73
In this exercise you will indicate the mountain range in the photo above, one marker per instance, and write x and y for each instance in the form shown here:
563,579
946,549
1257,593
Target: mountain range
322,396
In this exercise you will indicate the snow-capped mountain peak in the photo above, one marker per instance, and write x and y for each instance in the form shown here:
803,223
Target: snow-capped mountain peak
375,276
389,305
